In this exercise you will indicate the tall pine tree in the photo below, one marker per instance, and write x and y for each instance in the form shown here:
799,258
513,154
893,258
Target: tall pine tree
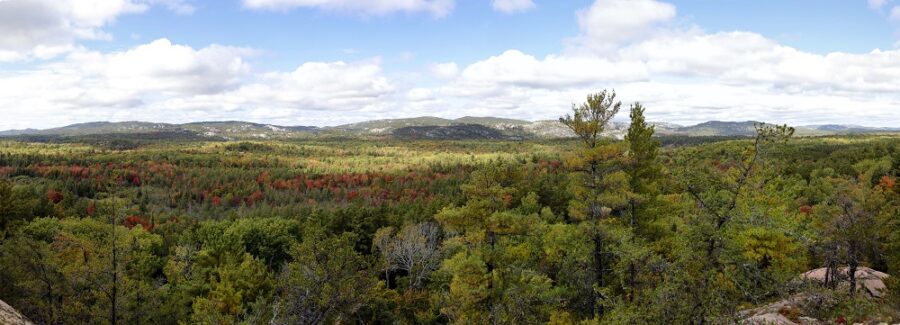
600,181
643,170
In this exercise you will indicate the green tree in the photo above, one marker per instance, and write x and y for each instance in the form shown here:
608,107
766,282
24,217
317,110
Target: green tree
643,167
643,171
34,282
71,271
600,182
327,281
719,191
6,206
850,227
236,288
211,278
492,252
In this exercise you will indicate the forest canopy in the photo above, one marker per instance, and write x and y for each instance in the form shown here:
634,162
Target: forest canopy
594,229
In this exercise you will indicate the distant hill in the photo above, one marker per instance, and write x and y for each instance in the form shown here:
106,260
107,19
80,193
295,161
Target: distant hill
244,130
748,128
850,129
389,125
719,128
725,129
510,128
425,126
491,121
451,132
98,128
225,130
17,132
548,129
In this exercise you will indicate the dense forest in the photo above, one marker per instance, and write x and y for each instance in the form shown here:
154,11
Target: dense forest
640,230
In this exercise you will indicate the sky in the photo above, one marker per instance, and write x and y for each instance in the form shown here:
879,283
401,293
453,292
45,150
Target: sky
331,62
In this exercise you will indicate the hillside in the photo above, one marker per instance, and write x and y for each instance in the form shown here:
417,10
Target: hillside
225,129
507,128
510,128
243,130
97,128
720,128
387,126
491,121
450,132
745,128
850,129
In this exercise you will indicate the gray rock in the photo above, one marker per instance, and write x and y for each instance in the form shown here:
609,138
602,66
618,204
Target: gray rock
10,316
768,319
866,279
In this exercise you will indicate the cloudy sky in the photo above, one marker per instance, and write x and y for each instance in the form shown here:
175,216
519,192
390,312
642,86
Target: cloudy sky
328,62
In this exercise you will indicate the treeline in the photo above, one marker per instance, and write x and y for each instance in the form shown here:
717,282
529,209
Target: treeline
576,232
118,141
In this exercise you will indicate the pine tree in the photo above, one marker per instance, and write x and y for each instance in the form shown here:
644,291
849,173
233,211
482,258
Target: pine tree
491,254
643,167
643,171
717,193
327,282
600,175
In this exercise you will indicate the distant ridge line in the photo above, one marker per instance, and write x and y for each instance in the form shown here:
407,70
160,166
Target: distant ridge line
510,128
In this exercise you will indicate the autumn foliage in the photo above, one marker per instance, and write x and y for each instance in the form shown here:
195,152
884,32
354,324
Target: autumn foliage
132,221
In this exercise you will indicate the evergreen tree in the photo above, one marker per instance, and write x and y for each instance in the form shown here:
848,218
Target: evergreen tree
643,167
600,182
643,171
718,193
492,252
327,281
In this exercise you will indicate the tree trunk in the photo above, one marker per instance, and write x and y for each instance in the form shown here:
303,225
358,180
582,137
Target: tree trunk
491,237
851,274
596,215
113,317
598,276
632,269
49,297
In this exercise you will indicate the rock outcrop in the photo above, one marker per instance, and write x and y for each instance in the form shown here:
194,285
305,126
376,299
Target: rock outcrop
790,311
867,280
769,319
10,316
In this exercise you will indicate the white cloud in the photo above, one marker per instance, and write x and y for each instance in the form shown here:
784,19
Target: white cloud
445,70
420,94
610,23
698,101
682,75
749,58
325,86
895,13
512,6
47,28
437,8
123,81
155,70
877,4
180,7
674,96
161,81
685,76
519,70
